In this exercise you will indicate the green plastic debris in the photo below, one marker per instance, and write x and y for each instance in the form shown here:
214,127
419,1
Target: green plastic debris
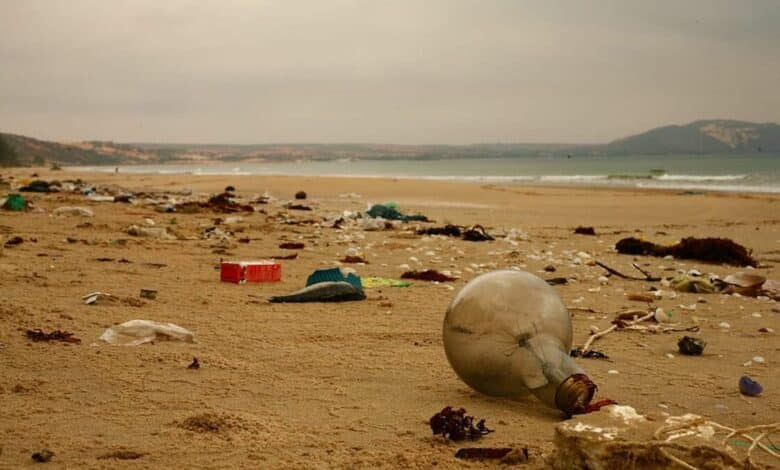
390,212
694,284
373,282
15,202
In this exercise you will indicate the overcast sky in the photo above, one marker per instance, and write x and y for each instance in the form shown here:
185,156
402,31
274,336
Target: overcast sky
395,71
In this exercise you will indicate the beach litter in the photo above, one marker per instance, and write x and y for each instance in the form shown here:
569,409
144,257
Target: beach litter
589,354
390,211
374,282
477,233
326,285
749,387
516,304
215,233
690,346
73,211
94,297
428,275
137,332
455,425
15,202
250,271
711,250
56,335
690,283
150,232
41,186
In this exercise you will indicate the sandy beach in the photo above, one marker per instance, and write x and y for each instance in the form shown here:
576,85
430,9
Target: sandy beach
349,385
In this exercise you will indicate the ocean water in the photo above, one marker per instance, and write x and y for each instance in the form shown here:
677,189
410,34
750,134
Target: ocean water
754,173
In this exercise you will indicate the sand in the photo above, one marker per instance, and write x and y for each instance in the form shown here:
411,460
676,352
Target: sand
348,385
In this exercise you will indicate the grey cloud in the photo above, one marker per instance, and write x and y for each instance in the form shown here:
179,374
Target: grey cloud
402,71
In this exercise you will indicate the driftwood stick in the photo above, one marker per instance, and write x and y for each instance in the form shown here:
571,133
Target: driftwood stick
612,328
648,276
623,276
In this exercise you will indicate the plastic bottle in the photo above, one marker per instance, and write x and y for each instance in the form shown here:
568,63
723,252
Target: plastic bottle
507,332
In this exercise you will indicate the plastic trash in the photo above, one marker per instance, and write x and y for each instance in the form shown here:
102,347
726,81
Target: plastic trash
76,211
327,291
93,297
135,332
15,202
333,275
373,282
508,331
151,232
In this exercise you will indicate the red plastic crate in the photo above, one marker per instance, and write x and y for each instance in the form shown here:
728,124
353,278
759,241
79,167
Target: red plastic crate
250,271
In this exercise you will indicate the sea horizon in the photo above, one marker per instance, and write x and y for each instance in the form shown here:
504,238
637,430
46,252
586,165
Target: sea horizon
727,173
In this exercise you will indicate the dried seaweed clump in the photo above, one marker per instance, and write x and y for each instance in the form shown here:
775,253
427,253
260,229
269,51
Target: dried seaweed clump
456,425
709,250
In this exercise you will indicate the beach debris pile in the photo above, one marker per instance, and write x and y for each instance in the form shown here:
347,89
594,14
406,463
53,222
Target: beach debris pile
709,250
476,233
455,425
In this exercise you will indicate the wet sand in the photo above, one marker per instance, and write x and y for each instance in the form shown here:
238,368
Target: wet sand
348,385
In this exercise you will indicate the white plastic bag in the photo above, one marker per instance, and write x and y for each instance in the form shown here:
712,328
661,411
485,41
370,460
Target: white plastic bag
135,332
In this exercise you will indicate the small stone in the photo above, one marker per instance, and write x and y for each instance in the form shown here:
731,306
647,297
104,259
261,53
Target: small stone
612,371
690,346
758,359
724,325
749,387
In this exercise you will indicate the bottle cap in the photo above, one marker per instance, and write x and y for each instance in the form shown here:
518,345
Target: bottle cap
575,394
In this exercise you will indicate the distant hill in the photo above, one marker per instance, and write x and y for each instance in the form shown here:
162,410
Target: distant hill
702,137
29,151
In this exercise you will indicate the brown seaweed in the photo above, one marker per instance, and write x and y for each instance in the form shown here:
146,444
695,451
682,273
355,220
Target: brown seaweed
709,250
429,275
456,425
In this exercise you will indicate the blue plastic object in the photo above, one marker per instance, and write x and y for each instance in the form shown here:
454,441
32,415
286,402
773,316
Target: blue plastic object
333,275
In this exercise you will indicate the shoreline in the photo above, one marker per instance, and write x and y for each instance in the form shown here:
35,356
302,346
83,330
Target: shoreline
511,181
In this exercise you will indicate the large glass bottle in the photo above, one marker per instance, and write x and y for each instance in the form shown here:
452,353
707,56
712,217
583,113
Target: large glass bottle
508,331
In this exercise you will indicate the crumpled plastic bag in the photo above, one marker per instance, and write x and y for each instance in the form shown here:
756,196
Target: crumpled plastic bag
136,332
76,211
